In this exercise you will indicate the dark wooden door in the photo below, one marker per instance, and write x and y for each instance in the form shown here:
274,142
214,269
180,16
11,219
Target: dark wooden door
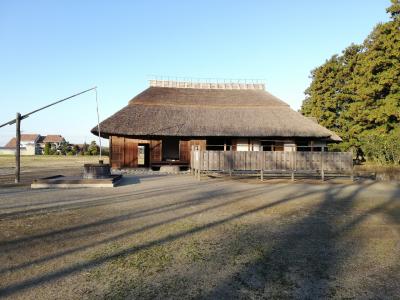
184,150
131,153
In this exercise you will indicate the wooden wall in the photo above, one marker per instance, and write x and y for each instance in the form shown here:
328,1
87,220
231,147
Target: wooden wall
116,151
274,161
131,153
155,150
123,151
184,150
201,143
185,146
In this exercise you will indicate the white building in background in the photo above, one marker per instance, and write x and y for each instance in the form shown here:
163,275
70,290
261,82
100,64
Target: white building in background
29,145
54,140
32,144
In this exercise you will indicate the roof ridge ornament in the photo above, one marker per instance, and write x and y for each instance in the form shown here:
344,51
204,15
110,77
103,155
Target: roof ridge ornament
217,84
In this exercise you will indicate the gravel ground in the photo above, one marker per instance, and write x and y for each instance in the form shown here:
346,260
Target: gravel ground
175,237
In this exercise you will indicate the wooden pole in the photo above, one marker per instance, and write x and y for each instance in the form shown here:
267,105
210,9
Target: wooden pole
262,162
322,164
98,125
17,147
200,164
230,161
191,160
294,153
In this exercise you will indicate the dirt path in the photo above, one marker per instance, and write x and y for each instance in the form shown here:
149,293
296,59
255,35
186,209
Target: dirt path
174,237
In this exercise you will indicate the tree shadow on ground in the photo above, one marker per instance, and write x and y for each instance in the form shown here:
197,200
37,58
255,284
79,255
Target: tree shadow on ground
304,261
79,202
91,263
308,258
84,229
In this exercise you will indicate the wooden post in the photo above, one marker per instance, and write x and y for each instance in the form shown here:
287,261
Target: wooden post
230,161
200,164
192,160
322,164
261,162
196,162
17,147
294,163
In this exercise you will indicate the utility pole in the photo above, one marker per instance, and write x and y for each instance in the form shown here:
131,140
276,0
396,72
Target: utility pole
17,147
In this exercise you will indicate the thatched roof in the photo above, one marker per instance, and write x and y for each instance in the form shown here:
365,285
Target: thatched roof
199,112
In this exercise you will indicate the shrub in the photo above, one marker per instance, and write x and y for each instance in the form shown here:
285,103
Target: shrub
93,148
383,148
47,149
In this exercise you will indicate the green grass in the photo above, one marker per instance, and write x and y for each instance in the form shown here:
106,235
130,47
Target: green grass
383,172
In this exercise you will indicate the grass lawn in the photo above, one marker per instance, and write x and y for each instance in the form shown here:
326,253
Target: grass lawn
174,237
382,172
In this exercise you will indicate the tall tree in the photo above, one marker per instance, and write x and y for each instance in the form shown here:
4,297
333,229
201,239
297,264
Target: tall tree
357,94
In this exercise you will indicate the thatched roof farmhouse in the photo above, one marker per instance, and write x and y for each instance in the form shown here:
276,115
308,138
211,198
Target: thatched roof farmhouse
162,123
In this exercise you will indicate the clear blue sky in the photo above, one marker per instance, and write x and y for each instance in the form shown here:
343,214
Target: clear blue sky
52,49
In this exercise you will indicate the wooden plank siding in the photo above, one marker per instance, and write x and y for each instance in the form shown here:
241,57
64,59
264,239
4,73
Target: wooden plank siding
117,152
201,143
155,151
123,151
131,153
272,161
184,150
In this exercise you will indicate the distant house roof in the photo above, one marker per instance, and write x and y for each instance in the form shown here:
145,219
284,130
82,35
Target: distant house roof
24,138
172,111
80,145
52,138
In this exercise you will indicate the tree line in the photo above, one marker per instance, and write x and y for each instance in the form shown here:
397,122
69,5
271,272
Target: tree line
65,148
357,93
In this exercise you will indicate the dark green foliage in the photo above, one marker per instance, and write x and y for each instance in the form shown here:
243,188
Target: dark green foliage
50,149
383,148
75,149
64,148
84,149
357,94
47,149
105,151
93,149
